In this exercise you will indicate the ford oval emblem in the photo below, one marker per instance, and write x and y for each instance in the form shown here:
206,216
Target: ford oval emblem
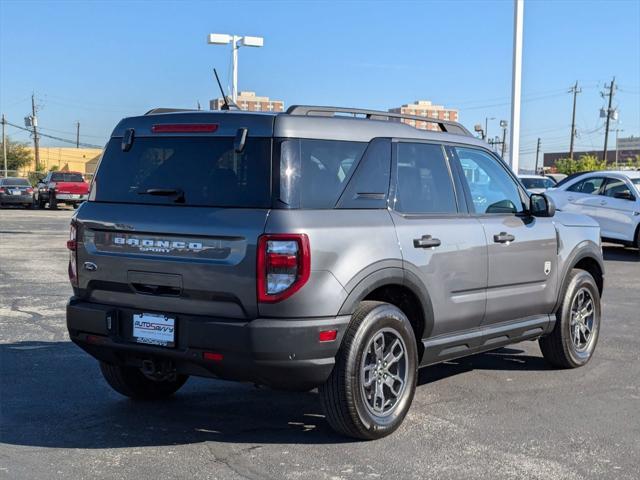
90,266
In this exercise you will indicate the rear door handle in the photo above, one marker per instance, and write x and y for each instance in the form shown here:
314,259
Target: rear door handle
571,199
427,241
503,237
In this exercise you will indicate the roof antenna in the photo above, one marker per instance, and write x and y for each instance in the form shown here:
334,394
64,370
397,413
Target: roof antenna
224,97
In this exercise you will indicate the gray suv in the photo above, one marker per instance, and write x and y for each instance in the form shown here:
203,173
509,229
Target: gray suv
322,247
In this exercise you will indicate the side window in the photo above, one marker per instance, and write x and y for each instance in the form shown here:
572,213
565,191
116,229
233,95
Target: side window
590,186
313,173
423,180
617,188
370,182
492,189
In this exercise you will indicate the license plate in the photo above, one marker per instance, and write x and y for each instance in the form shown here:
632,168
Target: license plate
74,195
16,192
154,329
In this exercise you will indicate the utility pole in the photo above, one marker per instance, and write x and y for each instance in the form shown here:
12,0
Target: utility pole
36,139
537,155
78,135
575,90
4,147
503,124
612,87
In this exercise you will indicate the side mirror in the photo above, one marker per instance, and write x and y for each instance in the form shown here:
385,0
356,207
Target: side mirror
541,205
624,196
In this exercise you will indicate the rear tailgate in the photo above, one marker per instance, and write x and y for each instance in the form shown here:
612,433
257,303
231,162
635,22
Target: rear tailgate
174,215
174,260
81,188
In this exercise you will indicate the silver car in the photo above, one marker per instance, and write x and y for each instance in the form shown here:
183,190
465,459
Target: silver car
322,247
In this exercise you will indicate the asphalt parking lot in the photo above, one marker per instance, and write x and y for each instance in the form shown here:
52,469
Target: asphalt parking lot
503,414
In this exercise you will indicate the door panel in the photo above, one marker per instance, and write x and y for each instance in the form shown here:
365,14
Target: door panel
616,215
454,273
445,249
522,250
522,273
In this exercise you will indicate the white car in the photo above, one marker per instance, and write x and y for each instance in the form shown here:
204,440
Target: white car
612,198
536,183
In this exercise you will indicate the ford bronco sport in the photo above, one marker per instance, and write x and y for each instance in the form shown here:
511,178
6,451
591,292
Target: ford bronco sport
322,247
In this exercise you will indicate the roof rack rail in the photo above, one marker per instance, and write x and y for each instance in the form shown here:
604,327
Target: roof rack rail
447,126
170,110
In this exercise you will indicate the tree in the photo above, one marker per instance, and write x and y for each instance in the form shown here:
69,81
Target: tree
18,155
586,163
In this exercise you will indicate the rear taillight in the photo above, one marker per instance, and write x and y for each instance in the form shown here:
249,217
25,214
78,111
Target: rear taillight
2,190
72,245
29,190
284,265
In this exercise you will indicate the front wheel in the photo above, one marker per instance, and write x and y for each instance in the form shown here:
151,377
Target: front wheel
574,337
372,384
131,382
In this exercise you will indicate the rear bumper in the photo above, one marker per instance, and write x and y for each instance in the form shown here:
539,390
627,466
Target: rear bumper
282,353
16,199
70,198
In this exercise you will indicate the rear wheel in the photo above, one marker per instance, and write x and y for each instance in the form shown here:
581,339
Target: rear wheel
575,334
131,382
373,382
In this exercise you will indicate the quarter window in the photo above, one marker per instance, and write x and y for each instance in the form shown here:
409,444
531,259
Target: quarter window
493,190
423,180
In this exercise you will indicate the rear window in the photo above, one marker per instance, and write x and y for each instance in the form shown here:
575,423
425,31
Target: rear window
66,177
201,171
537,183
17,182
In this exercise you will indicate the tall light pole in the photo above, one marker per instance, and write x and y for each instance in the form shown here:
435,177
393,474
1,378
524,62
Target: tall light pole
516,88
236,42
486,126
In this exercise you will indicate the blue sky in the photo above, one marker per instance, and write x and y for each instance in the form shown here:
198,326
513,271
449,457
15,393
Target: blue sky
95,62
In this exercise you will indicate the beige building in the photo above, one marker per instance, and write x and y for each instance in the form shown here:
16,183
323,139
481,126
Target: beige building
424,108
252,103
65,158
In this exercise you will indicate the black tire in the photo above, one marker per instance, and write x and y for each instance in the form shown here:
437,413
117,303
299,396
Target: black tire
75,206
131,382
343,395
559,348
53,203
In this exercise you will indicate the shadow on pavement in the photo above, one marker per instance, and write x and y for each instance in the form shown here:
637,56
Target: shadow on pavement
53,395
620,254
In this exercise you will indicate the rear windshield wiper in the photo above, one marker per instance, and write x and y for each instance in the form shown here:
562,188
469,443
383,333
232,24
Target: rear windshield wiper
165,192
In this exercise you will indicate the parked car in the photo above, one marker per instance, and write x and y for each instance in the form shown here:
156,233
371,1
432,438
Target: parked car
15,191
612,198
321,247
536,183
60,187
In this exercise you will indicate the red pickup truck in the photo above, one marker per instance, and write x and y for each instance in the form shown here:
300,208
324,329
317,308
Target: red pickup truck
61,187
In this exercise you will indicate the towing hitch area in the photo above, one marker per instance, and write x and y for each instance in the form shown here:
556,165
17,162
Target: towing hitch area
159,370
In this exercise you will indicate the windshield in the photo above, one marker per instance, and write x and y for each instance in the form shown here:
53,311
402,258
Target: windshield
66,177
193,171
537,183
15,182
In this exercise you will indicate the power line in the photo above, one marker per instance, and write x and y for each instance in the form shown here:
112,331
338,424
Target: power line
60,139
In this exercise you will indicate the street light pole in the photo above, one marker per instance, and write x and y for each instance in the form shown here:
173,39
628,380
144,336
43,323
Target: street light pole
486,126
236,42
618,130
514,144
